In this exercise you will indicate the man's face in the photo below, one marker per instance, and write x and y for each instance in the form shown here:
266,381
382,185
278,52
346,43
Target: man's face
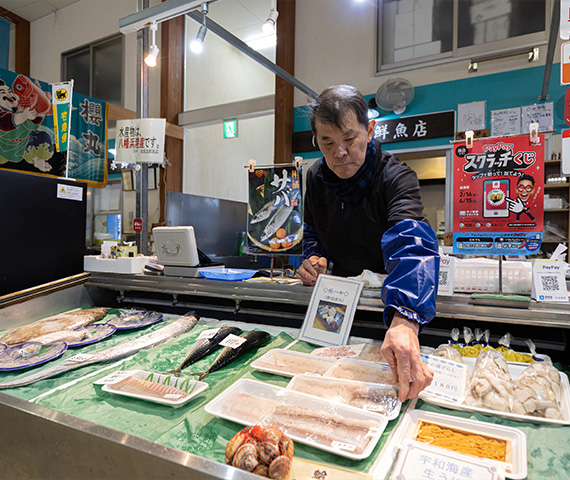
344,150
525,190
8,99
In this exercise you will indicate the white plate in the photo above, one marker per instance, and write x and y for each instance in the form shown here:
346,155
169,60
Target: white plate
515,370
516,468
275,361
230,404
190,386
390,412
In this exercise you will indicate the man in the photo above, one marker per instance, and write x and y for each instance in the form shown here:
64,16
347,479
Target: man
363,210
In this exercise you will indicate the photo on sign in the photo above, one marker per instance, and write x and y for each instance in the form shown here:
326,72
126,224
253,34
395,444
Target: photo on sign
329,316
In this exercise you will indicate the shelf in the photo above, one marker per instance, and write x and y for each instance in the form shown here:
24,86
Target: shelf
557,210
552,162
556,185
554,241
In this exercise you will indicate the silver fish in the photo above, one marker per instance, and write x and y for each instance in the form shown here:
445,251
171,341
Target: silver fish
163,335
278,219
263,213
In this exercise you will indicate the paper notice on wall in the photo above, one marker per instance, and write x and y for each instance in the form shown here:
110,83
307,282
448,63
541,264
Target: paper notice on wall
506,122
140,140
541,113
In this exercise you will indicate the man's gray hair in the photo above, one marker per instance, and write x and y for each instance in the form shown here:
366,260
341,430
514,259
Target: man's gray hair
333,104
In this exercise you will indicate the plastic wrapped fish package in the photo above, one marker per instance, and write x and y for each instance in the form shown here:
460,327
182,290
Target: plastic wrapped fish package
362,371
289,363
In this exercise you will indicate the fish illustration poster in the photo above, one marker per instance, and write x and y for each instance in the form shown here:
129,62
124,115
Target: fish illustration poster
27,139
498,187
275,213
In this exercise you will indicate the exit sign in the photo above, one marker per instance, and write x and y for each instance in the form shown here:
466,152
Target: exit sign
230,128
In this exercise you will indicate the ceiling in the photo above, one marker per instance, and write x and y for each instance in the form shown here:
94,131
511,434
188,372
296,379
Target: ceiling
241,17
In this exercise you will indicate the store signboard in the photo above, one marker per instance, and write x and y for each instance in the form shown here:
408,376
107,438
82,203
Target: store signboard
565,19
565,62
140,140
498,196
416,127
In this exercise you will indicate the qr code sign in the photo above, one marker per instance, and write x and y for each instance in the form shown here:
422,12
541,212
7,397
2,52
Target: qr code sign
549,283
443,277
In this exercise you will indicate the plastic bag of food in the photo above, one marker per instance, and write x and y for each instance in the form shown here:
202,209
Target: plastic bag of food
512,356
454,342
491,385
265,451
469,350
447,351
537,392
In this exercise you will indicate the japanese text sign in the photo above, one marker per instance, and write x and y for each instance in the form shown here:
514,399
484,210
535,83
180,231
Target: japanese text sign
498,196
417,127
449,378
61,100
140,140
549,281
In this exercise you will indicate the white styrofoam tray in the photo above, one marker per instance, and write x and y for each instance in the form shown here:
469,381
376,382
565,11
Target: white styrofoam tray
190,386
391,414
96,263
282,362
515,467
223,404
514,370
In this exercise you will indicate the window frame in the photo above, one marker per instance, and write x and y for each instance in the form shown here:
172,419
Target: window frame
90,47
460,54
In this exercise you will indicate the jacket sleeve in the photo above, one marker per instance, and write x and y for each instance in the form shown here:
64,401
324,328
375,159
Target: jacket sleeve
411,258
311,244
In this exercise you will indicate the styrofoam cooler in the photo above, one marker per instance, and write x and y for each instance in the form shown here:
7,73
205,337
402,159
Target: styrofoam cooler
482,275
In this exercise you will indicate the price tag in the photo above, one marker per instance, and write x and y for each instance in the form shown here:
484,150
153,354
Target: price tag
82,357
207,334
114,377
449,378
342,351
343,446
232,341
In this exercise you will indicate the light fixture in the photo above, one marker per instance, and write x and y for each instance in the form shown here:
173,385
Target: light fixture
270,24
150,59
197,45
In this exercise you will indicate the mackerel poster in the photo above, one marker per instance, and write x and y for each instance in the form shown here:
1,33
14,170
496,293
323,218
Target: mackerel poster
275,213
498,196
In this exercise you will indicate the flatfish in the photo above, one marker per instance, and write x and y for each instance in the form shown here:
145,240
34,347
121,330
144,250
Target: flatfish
163,335
204,346
253,339
55,323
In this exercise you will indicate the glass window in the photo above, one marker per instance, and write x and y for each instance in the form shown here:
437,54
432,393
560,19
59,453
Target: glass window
429,29
97,69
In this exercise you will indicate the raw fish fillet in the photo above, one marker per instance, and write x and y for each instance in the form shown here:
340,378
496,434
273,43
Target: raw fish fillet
67,336
163,335
150,389
55,323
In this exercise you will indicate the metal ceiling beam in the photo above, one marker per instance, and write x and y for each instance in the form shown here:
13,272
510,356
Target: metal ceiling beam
554,26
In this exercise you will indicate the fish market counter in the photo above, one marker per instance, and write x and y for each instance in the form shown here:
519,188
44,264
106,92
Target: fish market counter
65,426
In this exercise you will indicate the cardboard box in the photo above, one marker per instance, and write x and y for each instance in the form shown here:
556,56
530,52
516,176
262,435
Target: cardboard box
488,10
404,32
427,49
402,54
405,6
423,25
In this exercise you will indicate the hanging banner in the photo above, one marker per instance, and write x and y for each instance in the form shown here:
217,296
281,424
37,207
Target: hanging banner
61,95
498,196
275,212
27,136
140,140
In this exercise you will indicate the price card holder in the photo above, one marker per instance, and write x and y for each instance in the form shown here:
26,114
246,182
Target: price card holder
449,378
331,311
446,275
207,334
549,281
115,377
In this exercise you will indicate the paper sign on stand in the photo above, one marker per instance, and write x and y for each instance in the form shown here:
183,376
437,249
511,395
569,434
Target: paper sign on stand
449,378
446,275
140,140
549,281
331,311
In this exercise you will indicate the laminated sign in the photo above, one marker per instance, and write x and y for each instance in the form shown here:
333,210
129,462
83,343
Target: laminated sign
275,213
140,140
498,196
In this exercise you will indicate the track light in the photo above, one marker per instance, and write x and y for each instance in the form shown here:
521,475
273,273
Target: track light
197,45
270,24
150,60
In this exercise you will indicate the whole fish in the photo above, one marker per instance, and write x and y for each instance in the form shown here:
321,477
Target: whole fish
253,339
278,219
163,335
204,346
31,95
55,323
263,213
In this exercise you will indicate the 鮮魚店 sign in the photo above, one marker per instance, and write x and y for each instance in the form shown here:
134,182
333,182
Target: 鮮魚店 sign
416,127
498,192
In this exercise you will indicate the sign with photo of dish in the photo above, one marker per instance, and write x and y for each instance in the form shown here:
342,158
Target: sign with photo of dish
275,211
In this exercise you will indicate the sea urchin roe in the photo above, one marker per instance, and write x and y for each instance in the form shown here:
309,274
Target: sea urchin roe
463,442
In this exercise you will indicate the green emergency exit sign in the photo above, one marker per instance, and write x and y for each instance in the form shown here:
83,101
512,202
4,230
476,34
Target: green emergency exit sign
230,128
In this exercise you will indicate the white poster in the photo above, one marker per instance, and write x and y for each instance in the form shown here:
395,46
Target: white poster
541,113
506,122
140,140
331,311
471,116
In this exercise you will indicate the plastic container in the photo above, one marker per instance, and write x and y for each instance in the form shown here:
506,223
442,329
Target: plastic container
515,464
96,263
362,371
227,274
289,363
482,275
339,429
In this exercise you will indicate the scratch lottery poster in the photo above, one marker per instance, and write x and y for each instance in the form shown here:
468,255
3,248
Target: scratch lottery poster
275,213
498,196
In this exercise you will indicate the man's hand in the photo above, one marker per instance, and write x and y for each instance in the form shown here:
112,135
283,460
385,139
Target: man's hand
311,268
515,206
401,349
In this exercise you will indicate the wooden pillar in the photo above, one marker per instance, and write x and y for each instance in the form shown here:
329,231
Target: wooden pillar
285,58
22,60
171,60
